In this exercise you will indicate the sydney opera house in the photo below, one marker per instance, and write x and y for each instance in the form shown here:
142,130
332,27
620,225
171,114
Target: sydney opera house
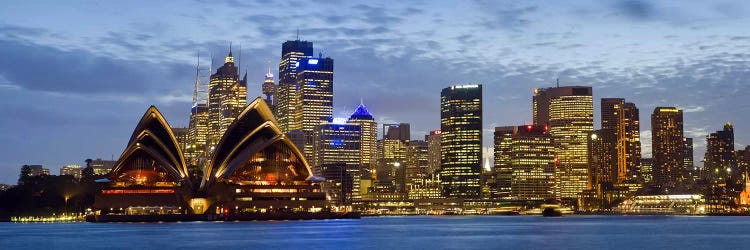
254,169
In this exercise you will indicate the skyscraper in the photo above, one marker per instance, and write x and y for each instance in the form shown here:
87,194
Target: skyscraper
314,105
622,118
602,158
503,167
269,89
416,164
433,150
720,161
393,156
667,146
227,97
532,160
286,97
197,148
461,141
364,119
569,112
338,151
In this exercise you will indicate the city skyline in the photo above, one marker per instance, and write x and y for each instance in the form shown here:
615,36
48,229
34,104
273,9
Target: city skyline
85,102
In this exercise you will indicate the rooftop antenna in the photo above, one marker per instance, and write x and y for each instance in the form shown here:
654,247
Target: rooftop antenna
269,67
297,33
361,101
239,62
558,82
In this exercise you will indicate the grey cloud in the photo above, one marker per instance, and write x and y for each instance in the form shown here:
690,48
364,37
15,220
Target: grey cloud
376,15
636,9
508,16
43,68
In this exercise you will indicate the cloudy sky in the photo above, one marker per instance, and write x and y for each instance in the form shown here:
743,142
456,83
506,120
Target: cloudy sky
76,76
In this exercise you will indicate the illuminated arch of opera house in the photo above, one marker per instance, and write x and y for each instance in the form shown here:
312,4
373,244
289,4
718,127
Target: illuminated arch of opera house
254,168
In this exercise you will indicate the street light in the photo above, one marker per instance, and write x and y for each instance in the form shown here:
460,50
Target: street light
67,197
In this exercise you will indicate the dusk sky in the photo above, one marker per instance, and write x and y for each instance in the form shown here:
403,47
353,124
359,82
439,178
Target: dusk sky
76,76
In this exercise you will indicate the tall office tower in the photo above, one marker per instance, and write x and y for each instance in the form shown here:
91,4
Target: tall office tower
364,119
227,97
269,89
286,93
602,157
198,134
197,151
532,159
338,145
392,167
433,150
314,105
693,172
622,118
647,170
569,112
666,146
416,164
461,141
503,168
720,162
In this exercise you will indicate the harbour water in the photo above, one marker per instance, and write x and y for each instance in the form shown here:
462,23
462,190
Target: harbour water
410,232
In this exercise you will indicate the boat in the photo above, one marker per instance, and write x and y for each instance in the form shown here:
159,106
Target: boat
551,212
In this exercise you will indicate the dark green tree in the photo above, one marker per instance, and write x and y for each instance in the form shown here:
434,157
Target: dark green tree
25,174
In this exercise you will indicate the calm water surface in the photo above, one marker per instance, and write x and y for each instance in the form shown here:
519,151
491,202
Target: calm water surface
424,232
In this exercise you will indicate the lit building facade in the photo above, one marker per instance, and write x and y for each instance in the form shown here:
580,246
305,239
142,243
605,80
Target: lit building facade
532,160
72,170
393,148
197,152
183,138
286,96
720,161
416,164
503,140
569,113
314,104
647,170
269,89
338,157
36,170
227,97
667,146
433,148
461,141
364,119
623,119
602,157
102,167
743,160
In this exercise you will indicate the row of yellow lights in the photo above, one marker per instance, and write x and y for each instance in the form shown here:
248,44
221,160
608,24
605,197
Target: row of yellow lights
59,218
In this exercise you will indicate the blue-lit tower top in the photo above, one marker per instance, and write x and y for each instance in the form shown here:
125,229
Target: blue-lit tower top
361,113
